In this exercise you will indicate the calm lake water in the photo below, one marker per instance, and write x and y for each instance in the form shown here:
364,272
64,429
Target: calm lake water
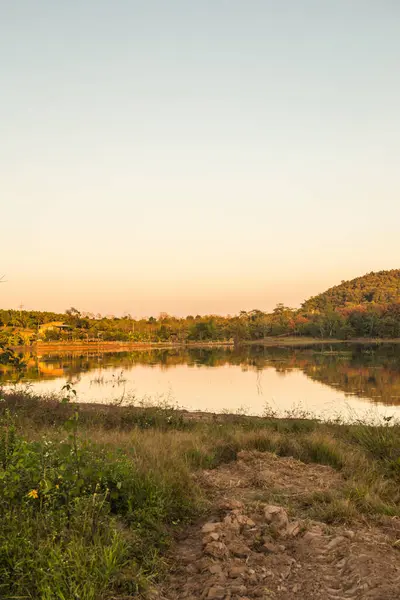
328,380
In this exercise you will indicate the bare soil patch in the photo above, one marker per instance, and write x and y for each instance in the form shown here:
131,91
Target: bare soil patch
256,542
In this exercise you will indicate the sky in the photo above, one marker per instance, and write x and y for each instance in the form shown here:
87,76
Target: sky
196,156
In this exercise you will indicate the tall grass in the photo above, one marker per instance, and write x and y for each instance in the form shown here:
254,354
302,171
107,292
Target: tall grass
90,503
86,518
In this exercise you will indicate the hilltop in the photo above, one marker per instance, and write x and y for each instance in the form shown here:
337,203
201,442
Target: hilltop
382,287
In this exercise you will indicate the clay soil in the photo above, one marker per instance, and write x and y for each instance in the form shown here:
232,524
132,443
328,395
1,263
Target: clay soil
258,540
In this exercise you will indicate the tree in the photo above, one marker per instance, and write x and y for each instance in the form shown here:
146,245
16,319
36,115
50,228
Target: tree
73,312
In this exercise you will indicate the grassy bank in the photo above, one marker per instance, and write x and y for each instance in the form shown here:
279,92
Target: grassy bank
314,341
69,347
114,346
90,500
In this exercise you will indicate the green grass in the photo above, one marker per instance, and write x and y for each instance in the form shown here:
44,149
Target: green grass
114,485
84,518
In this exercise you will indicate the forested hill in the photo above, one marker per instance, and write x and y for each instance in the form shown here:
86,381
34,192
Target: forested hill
366,307
382,287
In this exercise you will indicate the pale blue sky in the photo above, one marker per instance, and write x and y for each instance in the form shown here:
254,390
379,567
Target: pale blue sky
196,156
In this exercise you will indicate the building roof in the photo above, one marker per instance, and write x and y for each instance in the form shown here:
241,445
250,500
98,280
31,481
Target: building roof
55,325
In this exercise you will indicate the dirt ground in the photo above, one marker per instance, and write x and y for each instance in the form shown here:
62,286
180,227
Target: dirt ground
255,543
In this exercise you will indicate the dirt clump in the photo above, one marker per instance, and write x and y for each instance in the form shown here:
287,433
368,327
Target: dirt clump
251,549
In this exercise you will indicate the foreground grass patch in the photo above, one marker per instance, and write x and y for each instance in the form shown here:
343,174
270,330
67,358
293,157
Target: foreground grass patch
86,519
90,501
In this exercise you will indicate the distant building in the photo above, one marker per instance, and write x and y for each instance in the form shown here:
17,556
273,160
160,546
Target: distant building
54,326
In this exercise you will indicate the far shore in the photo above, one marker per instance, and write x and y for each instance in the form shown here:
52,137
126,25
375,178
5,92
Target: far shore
115,346
307,341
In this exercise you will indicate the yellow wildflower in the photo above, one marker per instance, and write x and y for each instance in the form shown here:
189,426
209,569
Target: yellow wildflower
57,486
33,494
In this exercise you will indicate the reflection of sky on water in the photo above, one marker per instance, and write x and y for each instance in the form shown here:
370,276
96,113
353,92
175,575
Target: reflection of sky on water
283,382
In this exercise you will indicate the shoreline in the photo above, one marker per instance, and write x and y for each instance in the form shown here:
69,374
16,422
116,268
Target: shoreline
132,413
307,341
112,346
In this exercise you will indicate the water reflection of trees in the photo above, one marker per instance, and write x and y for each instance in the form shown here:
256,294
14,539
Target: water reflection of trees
366,371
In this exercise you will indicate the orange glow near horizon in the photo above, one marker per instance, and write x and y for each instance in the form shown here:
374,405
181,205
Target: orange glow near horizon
188,163
178,298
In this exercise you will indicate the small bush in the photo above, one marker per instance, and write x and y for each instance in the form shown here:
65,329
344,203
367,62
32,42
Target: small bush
75,514
323,450
382,442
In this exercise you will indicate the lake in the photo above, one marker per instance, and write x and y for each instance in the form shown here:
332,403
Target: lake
347,379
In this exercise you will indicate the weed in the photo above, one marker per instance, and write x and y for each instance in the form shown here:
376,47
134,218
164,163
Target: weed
322,449
77,515
90,498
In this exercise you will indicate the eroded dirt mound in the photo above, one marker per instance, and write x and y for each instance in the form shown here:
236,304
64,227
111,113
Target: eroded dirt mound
253,549
263,470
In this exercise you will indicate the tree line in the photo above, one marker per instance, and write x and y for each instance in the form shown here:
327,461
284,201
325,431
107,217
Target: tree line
373,320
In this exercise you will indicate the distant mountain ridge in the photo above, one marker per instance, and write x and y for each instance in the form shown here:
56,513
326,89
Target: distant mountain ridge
382,287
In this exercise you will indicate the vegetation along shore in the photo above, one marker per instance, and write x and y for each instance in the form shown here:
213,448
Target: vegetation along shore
365,307
113,346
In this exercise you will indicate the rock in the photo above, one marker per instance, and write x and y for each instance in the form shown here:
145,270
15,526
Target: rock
219,579
286,572
245,521
217,592
237,571
188,557
349,534
245,455
252,579
238,589
258,558
202,564
210,527
240,550
277,518
336,542
259,592
231,522
216,549
311,537
230,504
296,588
293,529
215,569
262,575
191,569
207,539
269,548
